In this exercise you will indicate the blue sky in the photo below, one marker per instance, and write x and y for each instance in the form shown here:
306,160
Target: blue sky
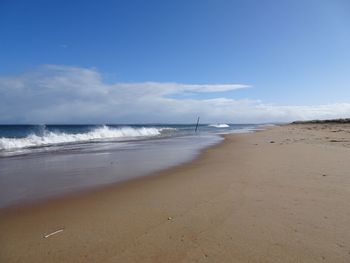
291,58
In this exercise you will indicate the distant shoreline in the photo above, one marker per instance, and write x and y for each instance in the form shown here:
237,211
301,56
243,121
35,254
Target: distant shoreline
335,121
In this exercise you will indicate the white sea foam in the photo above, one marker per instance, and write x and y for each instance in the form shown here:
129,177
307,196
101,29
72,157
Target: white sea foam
221,125
54,138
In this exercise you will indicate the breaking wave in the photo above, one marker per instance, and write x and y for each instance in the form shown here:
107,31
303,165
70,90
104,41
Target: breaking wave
222,125
54,138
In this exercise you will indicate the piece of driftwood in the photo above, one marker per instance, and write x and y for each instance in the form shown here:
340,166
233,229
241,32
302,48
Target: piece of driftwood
53,233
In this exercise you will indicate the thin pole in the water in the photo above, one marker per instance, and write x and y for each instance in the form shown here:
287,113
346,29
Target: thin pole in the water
197,125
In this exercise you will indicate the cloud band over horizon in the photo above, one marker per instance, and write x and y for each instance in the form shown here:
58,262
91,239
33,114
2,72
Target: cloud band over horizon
66,94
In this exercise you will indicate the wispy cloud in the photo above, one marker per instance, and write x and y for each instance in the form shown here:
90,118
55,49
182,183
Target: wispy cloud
64,94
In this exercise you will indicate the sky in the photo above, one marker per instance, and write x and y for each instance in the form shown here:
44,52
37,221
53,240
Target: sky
148,61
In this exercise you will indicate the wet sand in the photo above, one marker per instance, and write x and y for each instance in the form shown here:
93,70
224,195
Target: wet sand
77,168
279,195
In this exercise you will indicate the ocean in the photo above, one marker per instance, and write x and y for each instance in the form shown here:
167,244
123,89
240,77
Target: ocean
44,161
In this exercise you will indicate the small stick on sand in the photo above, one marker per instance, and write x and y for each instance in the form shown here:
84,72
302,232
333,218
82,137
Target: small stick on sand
53,233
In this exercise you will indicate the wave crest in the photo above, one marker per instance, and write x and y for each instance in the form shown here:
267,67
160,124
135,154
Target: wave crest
54,138
221,125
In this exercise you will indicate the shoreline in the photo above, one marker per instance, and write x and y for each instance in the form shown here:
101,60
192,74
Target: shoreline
38,177
114,186
277,195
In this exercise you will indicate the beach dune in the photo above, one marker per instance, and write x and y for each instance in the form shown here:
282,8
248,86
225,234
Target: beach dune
278,195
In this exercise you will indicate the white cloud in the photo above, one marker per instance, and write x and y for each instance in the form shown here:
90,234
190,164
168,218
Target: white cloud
62,94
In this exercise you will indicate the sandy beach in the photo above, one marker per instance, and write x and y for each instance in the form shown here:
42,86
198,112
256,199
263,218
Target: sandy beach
278,195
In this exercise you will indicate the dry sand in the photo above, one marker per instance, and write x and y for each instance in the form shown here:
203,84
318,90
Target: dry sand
280,195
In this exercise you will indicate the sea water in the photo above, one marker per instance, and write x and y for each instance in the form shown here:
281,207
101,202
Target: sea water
44,161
